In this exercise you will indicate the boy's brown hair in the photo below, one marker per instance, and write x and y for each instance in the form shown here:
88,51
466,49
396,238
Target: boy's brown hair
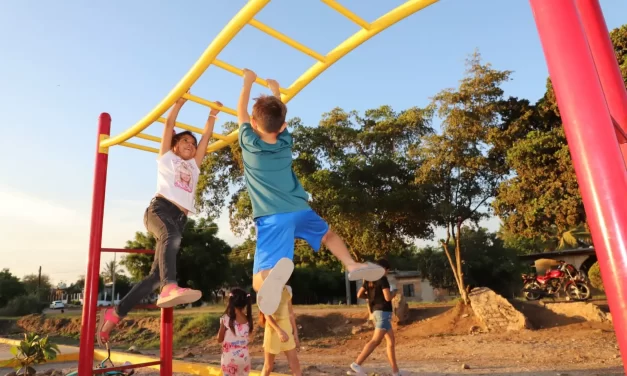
269,113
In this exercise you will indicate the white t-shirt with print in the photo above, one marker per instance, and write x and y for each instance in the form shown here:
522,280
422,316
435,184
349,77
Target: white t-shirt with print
177,179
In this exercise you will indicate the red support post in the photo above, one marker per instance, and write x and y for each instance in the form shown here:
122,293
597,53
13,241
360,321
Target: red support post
167,321
591,138
90,294
605,61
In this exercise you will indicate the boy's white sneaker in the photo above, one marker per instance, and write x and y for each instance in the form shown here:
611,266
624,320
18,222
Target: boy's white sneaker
269,296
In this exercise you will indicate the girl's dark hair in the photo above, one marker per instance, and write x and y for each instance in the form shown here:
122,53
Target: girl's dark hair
239,299
385,264
177,137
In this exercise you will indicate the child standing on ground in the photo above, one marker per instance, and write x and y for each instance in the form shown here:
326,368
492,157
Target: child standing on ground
281,335
235,328
280,204
178,168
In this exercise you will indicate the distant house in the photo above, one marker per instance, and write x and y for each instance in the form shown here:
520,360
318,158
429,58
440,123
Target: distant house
415,288
580,258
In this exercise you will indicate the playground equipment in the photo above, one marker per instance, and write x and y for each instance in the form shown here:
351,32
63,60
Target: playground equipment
574,37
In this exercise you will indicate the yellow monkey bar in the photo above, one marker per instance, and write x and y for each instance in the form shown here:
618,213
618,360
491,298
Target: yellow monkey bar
209,57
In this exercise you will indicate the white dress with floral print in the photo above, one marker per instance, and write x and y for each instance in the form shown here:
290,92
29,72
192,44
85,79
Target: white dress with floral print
235,357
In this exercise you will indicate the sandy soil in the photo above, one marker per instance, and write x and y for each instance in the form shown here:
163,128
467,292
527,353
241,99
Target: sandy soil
437,342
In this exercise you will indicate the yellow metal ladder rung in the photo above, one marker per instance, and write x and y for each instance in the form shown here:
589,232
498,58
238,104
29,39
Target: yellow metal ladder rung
239,72
191,128
140,147
347,13
210,104
148,137
287,40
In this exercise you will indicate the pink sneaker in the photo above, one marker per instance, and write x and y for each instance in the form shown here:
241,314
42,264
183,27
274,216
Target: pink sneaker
105,315
172,295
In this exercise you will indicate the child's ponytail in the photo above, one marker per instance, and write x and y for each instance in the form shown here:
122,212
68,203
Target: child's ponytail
238,299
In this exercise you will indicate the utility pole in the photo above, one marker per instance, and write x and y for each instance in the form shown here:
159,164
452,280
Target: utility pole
39,284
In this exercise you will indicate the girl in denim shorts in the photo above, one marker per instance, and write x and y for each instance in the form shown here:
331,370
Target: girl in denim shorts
380,304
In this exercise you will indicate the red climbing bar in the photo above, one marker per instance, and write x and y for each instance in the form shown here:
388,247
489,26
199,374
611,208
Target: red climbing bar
591,138
124,250
121,368
605,61
90,295
167,320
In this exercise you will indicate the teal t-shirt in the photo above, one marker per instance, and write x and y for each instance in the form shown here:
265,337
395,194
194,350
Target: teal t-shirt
272,185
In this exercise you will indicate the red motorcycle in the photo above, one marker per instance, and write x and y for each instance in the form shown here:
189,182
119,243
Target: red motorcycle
564,277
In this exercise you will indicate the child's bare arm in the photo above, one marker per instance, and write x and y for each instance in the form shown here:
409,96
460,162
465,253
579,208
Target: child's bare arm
166,139
282,335
206,135
274,87
293,322
221,332
244,98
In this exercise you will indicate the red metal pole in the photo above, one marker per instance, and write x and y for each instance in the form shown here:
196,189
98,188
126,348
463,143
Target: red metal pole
167,318
608,70
90,297
596,156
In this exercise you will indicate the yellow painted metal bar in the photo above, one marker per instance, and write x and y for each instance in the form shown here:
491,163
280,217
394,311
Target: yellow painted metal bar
148,137
243,17
191,128
287,40
140,147
392,17
229,68
347,13
210,104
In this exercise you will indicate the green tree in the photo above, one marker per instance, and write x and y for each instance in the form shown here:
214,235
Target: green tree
595,277
487,262
35,285
10,287
458,162
202,261
139,264
541,199
361,178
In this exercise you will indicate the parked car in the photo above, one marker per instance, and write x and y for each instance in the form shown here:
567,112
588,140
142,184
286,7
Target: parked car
57,304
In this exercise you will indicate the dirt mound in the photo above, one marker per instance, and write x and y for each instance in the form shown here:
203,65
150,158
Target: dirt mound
55,326
455,321
333,324
583,310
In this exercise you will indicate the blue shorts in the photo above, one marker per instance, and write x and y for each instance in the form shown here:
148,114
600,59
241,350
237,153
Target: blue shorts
382,320
276,234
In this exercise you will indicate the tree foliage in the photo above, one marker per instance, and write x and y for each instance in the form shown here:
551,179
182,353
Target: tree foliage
37,286
542,200
202,261
360,176
458,162
595,277
487,262
10,287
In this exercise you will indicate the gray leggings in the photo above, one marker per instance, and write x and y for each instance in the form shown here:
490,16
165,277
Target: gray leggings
165,221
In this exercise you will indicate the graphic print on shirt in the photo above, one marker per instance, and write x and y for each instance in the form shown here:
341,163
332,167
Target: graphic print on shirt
183,175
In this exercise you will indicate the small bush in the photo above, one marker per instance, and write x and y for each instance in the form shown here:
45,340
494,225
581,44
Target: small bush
22,306
595,277
31,351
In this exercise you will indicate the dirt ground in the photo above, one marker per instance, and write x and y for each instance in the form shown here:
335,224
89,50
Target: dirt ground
436,341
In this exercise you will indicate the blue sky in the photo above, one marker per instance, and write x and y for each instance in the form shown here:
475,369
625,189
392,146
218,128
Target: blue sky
63,63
